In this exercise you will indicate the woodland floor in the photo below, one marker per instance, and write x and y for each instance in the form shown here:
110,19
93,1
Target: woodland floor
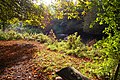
30,60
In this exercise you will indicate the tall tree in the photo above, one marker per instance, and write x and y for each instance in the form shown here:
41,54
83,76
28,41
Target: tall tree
24,10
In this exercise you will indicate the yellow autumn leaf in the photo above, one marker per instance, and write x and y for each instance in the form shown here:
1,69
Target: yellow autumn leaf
83,13
41,17
87,2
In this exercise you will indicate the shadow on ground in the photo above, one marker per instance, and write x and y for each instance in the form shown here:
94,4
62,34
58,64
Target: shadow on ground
12,54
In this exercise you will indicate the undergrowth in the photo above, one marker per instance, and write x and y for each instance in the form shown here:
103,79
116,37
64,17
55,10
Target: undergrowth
73,46
98,62
13,35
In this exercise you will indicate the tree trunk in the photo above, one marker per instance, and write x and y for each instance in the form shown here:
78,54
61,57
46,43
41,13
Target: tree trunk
3,26
70,73
117,71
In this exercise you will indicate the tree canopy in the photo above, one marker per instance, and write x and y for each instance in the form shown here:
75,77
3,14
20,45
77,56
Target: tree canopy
24,10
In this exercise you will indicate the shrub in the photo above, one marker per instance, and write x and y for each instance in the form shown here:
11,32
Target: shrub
72,46
3,35
12,35
42,38
106,56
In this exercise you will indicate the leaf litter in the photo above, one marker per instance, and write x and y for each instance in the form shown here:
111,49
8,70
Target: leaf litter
30,60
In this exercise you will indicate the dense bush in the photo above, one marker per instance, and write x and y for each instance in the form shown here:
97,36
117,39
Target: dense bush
109,49
106,56
40,38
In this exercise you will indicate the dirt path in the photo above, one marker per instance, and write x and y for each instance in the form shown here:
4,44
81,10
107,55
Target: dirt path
16,60
30,60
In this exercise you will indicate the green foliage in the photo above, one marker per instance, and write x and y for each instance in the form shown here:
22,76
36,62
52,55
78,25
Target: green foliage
32,30
72,46
108,13
109,48
105,55
24,10
3,36
72,9
10,35
37,37
74,41
41,38
13,35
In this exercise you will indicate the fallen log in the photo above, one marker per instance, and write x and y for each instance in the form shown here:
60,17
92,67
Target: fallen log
70,73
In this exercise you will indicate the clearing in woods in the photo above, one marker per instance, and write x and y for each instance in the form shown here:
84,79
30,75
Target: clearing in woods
30,60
